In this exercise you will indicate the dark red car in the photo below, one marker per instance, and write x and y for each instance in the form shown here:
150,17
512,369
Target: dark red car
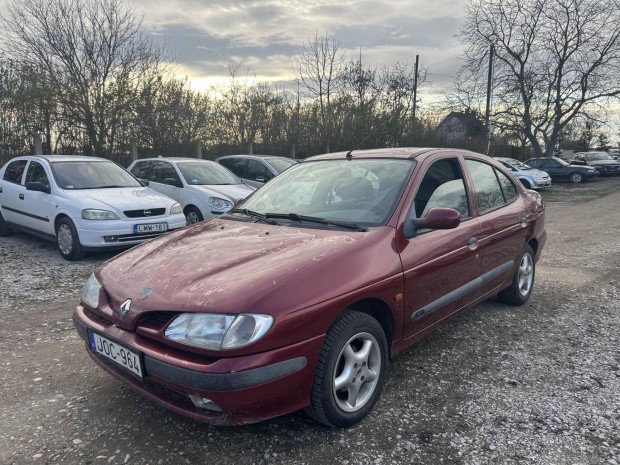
297,298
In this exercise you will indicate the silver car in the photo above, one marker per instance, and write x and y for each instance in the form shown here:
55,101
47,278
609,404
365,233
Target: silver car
256,170
204,188
529,177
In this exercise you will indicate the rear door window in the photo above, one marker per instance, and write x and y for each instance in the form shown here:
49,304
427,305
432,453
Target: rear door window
489,192
14,171
237,166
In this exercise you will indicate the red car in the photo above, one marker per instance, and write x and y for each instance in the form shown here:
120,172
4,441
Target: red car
297,298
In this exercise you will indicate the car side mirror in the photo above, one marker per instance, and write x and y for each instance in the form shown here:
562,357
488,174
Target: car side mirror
144,182
436,218
260,179
38,187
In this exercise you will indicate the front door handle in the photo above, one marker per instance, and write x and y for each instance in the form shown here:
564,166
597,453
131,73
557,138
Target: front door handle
472,243
21,196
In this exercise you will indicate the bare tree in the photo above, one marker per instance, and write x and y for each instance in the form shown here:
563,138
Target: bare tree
91,52
318,67
554,59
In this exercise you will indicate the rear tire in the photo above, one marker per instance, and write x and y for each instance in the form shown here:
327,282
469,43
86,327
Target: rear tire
4,229
522,283
576,177
351,370
68,240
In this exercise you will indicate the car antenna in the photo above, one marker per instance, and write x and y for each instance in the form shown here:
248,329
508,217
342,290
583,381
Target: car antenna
349,153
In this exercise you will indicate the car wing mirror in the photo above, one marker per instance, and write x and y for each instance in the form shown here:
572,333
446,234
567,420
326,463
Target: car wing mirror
144,182
261,179
436,218
38,187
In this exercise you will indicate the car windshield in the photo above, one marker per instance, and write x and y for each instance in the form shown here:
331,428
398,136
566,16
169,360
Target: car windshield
359,191
598,156
201,173
95,174
280,164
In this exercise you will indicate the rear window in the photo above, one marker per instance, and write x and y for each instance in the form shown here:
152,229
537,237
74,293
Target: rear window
14,171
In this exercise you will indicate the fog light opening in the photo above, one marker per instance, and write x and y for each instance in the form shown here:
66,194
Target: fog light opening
110,238
203,402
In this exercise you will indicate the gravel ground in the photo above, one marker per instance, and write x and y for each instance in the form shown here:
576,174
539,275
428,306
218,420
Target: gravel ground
538,384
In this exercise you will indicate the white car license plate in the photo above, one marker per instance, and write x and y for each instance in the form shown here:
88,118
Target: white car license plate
147,228
116,352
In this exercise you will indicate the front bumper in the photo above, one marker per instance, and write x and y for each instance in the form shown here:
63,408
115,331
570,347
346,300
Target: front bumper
247,388
119,233
541,183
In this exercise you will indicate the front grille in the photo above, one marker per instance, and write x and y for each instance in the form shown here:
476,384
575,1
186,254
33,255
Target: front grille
136,237
145,213
96,317
157,318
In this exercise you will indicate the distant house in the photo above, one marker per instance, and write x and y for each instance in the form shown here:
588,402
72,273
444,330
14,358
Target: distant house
460,127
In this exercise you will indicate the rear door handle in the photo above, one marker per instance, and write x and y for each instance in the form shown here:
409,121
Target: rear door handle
21,196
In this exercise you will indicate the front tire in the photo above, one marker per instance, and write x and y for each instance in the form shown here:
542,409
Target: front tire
522,283
351,370
576,177
526,183
68,240
193,215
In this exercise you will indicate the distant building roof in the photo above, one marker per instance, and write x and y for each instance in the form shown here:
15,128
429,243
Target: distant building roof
460,126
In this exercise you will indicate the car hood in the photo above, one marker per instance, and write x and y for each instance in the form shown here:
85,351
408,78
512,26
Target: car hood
231,267
229,192
536,172
120,199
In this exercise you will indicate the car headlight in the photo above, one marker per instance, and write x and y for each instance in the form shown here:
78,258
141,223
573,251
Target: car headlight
220,204
218,331
96,214
176,208
90,291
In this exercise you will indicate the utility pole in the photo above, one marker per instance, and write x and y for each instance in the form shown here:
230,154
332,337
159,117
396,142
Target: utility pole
415,86
487,117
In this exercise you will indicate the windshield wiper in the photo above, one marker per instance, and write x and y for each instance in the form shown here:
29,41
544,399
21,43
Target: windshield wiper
315,219
253,214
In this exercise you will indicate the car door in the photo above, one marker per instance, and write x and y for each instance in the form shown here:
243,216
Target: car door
503,222
164,179
12,205
439,265
258,172
556,170
39,206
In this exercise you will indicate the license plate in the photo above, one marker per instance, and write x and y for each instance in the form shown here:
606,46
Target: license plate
121,355
147,228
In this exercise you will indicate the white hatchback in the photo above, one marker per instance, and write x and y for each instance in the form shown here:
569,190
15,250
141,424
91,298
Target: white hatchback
82,203
204,188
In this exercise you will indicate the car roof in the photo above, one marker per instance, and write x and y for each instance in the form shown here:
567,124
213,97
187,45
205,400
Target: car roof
247,155
57,158
507,159
174,159
395,152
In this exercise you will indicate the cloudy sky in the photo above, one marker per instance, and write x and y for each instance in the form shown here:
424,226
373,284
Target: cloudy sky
263,36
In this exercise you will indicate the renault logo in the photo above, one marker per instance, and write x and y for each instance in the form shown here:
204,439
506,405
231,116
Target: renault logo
147,212
125,307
